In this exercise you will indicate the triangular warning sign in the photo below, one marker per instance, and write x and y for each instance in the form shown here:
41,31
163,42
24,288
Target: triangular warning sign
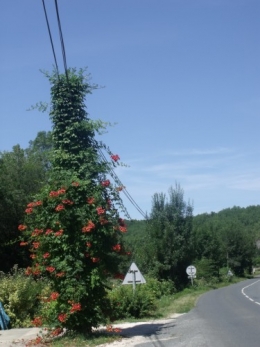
134,275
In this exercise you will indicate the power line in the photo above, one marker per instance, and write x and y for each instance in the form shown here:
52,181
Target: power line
113,174
61,41
49,30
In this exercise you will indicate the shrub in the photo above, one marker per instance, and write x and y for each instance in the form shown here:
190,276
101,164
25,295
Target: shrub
124,303
160,288
19,295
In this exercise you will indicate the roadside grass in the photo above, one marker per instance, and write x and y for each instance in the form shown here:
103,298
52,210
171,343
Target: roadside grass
80,340
181,302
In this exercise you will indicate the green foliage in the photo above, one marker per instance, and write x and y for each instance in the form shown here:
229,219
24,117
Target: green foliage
124,303
72,227
19,295
159,288
227,239
22,174
168,247
206,269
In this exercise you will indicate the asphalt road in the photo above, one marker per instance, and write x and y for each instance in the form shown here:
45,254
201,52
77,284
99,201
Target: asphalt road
226,317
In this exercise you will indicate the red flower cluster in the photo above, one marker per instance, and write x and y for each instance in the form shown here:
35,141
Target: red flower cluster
48,231
88,244
123,229
62,317
29,210
60,274
54,296
110,329
37,321
100,210
54,194
50,269
28,271
117,248
105,183
36,245
67,202
89,227
60,207
36,271
46,255
23,243
34,203
122,225
22,227
56,332
37,232
59,233
75,307
95,260
33,256
115,157
90,200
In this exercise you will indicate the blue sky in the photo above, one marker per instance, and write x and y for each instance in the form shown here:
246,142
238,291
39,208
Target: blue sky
181,80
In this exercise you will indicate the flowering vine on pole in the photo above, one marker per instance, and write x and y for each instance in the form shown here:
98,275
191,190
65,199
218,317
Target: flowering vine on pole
73,227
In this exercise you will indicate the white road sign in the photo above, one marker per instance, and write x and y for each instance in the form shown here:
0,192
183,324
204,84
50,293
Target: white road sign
134,276
191,270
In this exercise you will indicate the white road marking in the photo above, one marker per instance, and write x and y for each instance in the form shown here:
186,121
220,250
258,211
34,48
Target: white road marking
243,292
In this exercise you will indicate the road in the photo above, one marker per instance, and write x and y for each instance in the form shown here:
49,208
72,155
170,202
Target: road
226,317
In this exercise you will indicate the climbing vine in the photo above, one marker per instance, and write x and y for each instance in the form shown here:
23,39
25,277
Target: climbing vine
73,227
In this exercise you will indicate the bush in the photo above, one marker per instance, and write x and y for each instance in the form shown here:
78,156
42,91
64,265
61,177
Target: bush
19,295
160,288
124,303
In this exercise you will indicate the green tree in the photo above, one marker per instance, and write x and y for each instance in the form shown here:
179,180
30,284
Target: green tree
21,176
169,231
73,227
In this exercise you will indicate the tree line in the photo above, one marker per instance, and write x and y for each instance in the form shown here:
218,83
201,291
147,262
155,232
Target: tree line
172,239
162,246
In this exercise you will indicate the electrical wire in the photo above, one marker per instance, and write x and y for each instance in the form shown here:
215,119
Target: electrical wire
113,174
49,30
62,41
103,158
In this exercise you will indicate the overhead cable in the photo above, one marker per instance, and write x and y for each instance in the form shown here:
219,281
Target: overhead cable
113,174
61,41
49,30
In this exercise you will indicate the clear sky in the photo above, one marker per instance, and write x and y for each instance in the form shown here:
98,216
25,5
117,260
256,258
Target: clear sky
181,80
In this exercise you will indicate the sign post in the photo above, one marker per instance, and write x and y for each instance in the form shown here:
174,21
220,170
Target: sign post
191,272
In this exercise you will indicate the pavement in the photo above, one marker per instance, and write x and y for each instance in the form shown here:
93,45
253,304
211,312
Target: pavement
17,337
132,333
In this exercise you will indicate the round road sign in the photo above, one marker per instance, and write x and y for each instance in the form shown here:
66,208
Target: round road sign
191,270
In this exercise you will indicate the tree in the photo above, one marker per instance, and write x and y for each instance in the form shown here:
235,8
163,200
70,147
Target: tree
170,236
73,227
21,176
